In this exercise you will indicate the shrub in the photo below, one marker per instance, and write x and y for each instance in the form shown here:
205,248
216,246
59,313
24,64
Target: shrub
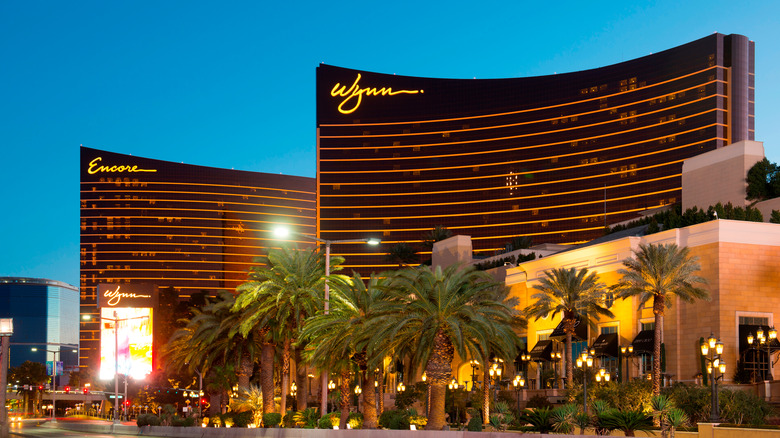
538,401
147,420
355,420
394,419
540,419
307,418
740,407
631,395
564,419
289,419
693,400
272,419
475,424
240,419
413,394
627,421
329,421
215,421
183,422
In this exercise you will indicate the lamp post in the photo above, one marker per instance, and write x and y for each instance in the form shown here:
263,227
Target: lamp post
712,350
765,340
518,383
602,375
6,330
585,361
496,369
555,357
474,365
283,232
625,353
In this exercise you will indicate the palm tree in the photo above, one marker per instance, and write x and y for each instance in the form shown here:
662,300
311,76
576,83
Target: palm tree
660,272
438,233
276,301
573,293
402,254
343,333
434,313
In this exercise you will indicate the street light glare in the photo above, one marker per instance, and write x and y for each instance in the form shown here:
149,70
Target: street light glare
281,232
373,241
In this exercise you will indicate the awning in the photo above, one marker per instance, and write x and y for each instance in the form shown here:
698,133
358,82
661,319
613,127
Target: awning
643,342
542,350
606,345
580,331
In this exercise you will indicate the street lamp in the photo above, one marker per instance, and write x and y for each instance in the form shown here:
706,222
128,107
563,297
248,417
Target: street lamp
6,330
585,361
518,383
116,320
765,340
53,381
555,358
712,350
495,371
625,353
602,375
474,365
283,232
401,387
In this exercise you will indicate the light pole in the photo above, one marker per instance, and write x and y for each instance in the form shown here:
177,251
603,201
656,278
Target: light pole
53,382
116,320
585,361
283,232
625,353
496,369
6,330
761,340
602,375
518,383
712,350
474,365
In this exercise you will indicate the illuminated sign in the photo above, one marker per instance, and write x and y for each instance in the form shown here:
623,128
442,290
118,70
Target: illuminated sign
125,342
126,295
95,167
355,94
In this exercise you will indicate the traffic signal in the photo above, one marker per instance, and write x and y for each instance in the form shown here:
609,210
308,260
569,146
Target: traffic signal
40,387
127,402
67,390
86,390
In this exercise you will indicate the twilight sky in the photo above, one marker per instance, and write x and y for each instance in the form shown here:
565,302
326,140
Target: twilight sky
231,84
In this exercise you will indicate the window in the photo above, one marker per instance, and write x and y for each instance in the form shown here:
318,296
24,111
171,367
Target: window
648,325
605,330
609,300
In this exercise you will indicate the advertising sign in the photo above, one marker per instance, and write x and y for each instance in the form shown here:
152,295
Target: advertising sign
125,336
127,295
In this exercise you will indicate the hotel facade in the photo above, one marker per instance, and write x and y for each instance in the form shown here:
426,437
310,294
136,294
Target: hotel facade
149,224
554,158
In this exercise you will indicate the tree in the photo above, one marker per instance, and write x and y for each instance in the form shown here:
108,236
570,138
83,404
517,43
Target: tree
438,233
434,313
31,374
276,300
576,295
763,181
660,273
344,332
402,254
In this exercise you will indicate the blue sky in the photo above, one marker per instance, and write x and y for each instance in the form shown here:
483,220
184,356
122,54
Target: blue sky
231,84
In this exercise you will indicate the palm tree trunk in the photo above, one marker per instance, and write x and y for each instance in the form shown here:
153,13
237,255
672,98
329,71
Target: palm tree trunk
345,394
380,403
658,310
436,420
369,402
267,377
245,372
485,395
569,361
302,400
285,375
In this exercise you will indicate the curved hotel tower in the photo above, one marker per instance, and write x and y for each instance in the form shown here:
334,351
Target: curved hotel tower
149,223
554,158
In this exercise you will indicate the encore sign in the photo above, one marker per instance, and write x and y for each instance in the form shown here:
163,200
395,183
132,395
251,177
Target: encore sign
126,295
354,94
95,167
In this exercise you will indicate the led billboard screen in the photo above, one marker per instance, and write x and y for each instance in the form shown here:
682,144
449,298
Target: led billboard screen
134,339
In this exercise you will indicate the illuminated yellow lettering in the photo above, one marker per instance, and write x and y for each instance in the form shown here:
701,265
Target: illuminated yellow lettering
95,167
114,296
355,94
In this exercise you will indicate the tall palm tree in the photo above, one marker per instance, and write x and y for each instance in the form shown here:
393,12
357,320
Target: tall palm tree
660,273
438,233
343,333
276,301
576,295
438,312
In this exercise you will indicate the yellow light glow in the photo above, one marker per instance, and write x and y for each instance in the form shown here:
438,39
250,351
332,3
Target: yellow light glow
355,91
